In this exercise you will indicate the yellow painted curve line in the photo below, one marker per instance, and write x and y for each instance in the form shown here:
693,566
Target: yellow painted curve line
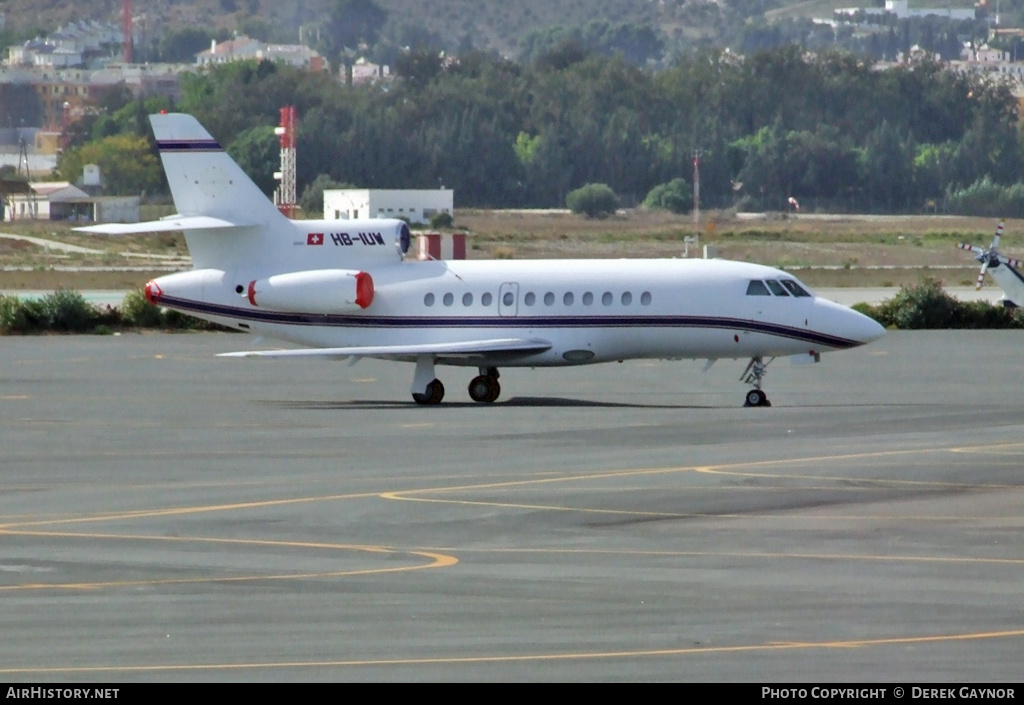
733,469
568,656
434,560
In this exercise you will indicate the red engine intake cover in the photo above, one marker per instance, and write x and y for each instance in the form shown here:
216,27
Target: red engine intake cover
364,289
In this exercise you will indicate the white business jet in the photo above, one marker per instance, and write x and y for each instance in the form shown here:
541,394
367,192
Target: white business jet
344,289
1004,270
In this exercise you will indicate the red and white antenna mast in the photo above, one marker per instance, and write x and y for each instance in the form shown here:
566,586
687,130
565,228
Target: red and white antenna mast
126,27
286,201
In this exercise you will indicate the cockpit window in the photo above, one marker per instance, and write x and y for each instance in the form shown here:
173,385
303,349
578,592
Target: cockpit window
794,288
756,287
776,288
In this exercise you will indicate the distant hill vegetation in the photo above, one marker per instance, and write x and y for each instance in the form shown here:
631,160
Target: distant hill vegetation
513,29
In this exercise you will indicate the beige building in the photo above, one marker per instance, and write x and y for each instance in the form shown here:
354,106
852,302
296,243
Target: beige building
59,200
415,205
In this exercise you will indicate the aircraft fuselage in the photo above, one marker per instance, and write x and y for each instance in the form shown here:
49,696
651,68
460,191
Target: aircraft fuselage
590,310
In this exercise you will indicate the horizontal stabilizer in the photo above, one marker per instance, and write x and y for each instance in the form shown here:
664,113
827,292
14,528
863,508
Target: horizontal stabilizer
462,349
174,223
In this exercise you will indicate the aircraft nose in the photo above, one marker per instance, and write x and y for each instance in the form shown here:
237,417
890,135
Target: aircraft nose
846,324
864,328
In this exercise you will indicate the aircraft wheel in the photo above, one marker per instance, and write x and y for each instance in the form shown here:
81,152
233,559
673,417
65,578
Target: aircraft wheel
756,397
484,388
433,395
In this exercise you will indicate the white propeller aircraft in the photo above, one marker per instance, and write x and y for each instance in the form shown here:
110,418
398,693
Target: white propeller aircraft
1003,269
344,289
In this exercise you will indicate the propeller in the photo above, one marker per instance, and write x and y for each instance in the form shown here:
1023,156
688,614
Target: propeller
989,257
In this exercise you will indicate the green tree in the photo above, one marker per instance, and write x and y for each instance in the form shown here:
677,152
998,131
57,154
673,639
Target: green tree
258,152
675,196
353,23
312,199
593,200
127,164
181,44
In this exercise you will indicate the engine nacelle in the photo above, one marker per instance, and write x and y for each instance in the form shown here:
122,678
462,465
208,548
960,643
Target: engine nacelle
313,291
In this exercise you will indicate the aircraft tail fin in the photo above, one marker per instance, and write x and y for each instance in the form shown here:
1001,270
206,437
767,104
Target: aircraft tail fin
204,179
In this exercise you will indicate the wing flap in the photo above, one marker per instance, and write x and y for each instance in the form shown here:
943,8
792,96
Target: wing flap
173,223
468,348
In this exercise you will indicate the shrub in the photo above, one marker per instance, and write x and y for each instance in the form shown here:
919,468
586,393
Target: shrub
12,315
592,200
67,311
928,306
675,196
987,198
442,220
139,312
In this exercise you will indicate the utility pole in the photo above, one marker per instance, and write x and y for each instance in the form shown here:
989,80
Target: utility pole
126,28
696,191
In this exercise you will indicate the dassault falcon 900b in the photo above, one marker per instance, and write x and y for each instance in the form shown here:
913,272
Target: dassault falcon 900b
343,289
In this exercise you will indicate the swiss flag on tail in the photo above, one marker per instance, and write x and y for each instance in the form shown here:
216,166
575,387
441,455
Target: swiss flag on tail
315,239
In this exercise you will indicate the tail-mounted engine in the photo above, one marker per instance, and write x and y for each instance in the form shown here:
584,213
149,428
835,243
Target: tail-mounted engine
314,291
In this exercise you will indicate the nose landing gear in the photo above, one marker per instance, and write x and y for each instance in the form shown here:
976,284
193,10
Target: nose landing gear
426,389
433,394
755,372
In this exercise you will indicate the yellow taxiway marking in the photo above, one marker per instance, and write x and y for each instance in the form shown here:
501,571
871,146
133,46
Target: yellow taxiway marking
521,658
434,560
741,469
177,511
740,554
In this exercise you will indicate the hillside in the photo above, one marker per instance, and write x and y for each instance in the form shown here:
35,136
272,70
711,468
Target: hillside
494,22
490,25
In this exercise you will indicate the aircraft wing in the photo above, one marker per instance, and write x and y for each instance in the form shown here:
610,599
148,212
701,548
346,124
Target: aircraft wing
172,223
470,348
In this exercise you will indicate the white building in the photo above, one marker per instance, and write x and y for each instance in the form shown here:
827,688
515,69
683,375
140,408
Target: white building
245,49
364,71
415,205
902,10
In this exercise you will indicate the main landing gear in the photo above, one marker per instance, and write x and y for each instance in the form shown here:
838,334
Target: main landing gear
485,388
754,373
427,389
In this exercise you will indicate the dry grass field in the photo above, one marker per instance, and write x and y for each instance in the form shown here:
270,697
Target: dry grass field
823,250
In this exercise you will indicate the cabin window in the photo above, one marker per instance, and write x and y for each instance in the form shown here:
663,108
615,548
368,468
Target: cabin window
530,299
467,299
508,299
627,298
448,299
568,298
776,288
645,298
607,298
794,288
486,299
549,299
428,300
588,299
756,287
